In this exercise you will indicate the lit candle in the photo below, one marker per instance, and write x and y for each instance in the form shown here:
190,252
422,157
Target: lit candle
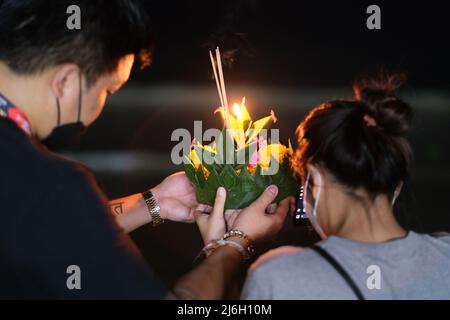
238,114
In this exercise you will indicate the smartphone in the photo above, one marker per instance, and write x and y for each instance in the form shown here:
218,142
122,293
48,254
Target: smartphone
299,217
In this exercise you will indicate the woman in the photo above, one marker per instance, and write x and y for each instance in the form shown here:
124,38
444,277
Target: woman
354,158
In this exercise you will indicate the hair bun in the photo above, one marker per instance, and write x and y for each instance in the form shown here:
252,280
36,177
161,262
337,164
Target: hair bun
380,101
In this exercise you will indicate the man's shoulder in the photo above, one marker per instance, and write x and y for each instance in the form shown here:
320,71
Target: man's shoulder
24,159
30,172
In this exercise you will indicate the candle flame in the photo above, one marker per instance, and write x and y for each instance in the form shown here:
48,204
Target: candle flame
237,111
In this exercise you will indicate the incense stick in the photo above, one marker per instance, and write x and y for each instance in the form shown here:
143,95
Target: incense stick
219,66
224,93
217,79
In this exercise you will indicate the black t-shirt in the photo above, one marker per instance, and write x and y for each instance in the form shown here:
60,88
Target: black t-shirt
52,216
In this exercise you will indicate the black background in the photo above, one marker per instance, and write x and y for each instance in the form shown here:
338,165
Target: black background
300,42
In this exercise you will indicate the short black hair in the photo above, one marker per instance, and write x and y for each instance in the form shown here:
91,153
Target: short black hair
361,142
34,35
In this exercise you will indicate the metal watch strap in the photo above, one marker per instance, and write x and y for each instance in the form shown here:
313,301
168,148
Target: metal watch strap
153,208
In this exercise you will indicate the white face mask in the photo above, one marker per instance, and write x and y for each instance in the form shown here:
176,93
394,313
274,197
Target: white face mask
311,211
396,194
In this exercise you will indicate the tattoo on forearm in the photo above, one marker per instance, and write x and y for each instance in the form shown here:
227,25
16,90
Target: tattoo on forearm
117,208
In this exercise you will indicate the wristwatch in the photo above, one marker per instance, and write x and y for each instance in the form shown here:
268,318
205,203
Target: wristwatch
153,208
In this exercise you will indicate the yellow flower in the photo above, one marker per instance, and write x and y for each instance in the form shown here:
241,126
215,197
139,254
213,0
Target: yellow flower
243,130
276,151
210,148
195,159
251,169
237,129
257,126
205,172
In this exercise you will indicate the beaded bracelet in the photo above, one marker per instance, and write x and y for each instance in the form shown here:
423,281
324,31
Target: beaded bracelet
239,234
212,246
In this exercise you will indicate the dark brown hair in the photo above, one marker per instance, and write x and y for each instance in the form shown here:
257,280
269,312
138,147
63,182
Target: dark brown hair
361,142
34,35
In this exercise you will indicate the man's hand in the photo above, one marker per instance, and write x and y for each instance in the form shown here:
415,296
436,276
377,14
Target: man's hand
176,197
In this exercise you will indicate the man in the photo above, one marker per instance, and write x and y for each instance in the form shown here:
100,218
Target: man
53,84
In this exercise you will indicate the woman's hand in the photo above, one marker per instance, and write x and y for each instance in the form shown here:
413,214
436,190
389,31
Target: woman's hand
213,226
258,225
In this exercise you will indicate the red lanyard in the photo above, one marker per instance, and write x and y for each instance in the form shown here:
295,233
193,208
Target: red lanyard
9,111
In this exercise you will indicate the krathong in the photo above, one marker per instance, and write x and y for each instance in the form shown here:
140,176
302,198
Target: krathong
242,159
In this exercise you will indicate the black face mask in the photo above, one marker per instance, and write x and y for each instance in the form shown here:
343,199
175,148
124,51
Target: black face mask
67,135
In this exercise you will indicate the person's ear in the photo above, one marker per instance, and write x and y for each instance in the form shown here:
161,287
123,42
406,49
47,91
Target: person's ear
65,82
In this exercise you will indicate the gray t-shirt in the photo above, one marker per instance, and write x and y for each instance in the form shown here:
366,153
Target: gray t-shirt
414,267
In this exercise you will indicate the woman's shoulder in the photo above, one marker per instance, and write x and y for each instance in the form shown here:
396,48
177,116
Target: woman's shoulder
275,255
288,260
445,236
291,273
440,240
